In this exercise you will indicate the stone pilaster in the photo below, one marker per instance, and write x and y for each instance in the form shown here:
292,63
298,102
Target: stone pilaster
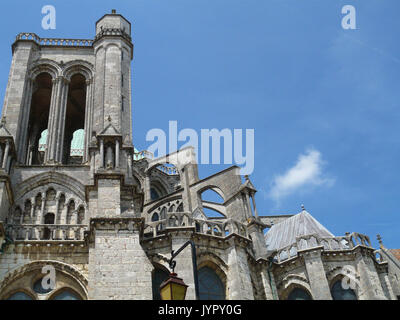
238,278
23,143
369,287
13,108
316,274
255,229
268,282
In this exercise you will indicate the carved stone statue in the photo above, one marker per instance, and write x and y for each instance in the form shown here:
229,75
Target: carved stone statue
109,158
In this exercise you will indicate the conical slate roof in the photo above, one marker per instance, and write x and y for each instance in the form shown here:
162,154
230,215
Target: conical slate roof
284,233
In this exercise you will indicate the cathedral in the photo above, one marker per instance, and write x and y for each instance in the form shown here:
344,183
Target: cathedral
80,202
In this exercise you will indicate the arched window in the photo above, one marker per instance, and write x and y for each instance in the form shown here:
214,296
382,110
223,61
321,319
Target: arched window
66,295
74,120
20,296
158,277
155,217
299,294
48,219
36,139
154,194
339,293
77,147
210,285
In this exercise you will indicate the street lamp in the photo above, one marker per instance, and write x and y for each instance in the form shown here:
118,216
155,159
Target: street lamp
174,288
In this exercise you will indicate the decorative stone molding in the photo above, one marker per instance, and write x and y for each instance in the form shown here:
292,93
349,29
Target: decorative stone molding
38,265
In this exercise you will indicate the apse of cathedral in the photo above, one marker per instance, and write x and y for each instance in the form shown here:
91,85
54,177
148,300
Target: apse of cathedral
79,204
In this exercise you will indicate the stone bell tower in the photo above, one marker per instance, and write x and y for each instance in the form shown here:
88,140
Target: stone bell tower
118,266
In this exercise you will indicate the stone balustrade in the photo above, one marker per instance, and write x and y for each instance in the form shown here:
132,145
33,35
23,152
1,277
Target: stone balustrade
171,171
55,41
143,154
340,243
46,232
183,219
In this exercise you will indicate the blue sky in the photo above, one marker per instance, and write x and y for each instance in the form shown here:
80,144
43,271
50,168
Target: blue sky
323,101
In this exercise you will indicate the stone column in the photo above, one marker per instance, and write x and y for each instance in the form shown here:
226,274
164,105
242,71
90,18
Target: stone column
93,162
8,165
88,118
62,110
23,138
147,192
42,209
7,149
117,153
254,205
246,205
101,153
316,274
32,210
57,215
52,123
1,154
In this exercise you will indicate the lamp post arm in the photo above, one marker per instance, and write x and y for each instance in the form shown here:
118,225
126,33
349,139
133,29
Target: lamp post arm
172,264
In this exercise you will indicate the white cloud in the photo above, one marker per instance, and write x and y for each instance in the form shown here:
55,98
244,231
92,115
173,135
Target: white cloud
305,174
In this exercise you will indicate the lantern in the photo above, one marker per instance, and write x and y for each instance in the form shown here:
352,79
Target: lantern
173,288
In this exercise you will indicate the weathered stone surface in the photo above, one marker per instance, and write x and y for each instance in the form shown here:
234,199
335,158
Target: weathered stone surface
106,219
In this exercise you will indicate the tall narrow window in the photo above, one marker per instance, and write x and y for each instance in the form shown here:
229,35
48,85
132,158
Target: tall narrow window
75,121
47,232
210,285
38,119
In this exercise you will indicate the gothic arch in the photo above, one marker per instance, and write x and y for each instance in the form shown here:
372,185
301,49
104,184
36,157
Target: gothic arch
63,289
45,178
45,66
339,273
291,282
209,260
78,67
78,280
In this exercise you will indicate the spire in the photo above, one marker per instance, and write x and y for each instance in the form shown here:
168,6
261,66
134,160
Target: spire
378,236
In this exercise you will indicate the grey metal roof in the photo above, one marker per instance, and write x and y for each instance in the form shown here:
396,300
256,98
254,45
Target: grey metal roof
284,233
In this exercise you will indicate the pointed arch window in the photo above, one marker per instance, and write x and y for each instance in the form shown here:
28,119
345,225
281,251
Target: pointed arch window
66,295
339,293
299,294
20,296
210,285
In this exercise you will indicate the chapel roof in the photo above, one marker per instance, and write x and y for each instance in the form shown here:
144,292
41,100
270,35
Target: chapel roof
285,233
